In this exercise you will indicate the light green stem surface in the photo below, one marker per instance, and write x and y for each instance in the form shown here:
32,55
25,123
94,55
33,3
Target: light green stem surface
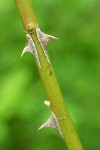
49,79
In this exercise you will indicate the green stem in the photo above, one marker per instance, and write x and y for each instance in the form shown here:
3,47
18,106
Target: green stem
49,79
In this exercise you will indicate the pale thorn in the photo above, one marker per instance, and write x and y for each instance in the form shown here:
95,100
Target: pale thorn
22,53
51,123
47,103
26,49
45,37
30,47
50,37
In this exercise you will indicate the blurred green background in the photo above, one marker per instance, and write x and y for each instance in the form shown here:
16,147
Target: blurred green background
76,61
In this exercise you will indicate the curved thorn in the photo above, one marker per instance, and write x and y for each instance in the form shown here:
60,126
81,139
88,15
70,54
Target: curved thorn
30,47
52,122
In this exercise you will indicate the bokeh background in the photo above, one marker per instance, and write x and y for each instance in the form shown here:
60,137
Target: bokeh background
76,61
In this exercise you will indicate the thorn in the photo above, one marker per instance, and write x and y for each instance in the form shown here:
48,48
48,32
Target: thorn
47,103
52,122
26,49
22,53
44,39
30,47
52,37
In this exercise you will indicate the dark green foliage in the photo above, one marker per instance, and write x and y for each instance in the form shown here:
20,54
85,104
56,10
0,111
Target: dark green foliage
76,60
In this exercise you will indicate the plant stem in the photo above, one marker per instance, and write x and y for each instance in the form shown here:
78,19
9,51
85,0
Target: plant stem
49,79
